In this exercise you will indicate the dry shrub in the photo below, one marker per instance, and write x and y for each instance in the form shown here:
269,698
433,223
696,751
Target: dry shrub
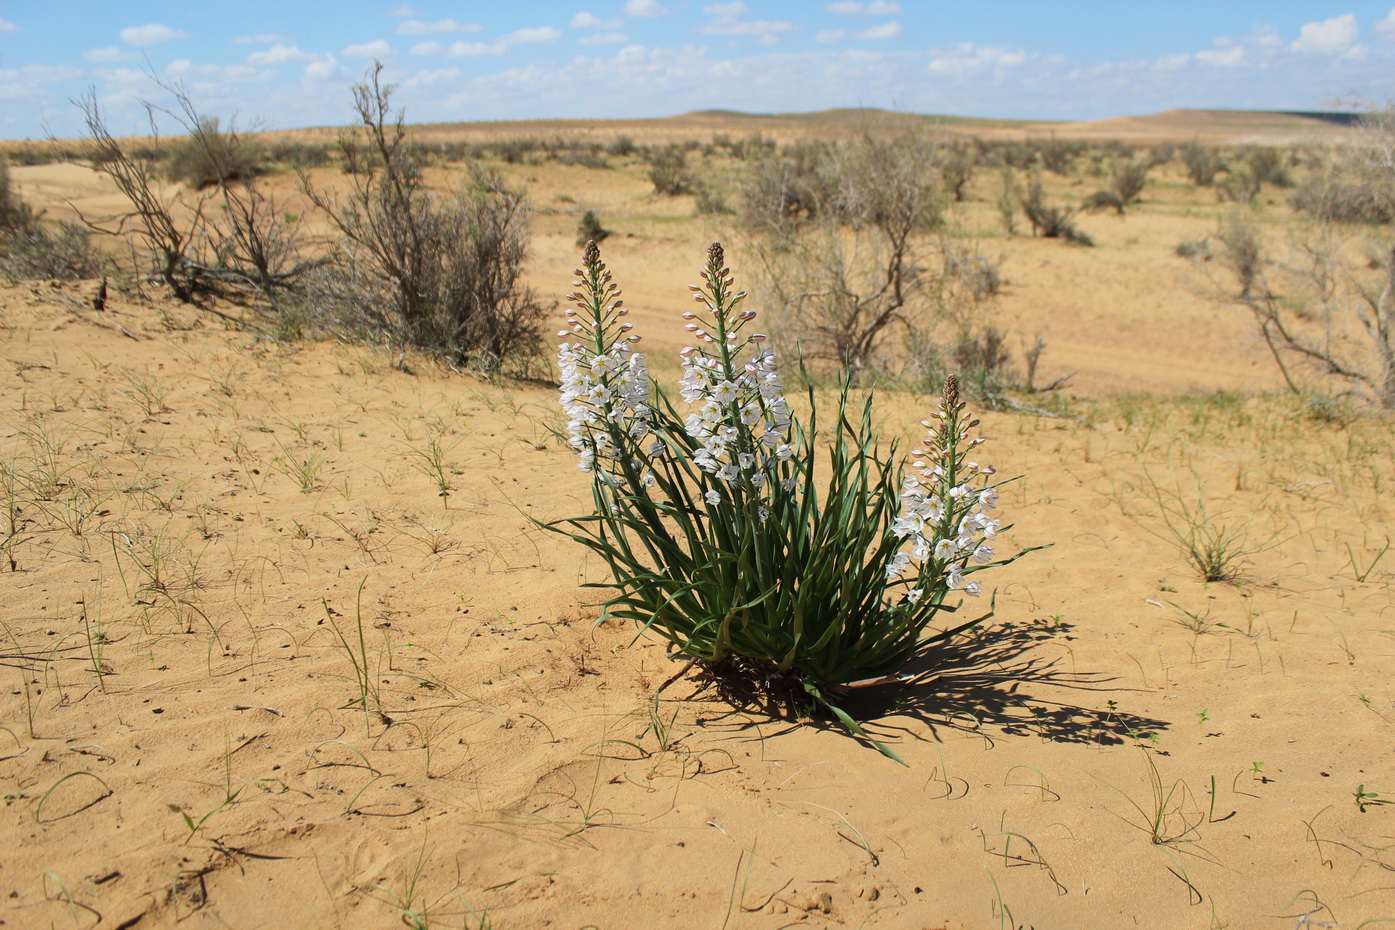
1050,221
416,269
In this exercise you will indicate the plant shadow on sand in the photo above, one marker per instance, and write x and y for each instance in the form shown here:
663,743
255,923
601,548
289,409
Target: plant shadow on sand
987,684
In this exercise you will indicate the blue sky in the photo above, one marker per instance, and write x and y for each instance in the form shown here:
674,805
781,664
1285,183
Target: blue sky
291,64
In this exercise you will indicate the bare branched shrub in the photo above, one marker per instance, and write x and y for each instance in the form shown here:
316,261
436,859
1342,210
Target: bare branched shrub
1050,221
209,156
1057,155
842,243
163,232
1240,185
439,273
1128,178
668,171
957,169
783,191
1315,303
252,242
1242,250
1202,162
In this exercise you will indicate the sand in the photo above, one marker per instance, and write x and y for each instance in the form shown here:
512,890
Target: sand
258,671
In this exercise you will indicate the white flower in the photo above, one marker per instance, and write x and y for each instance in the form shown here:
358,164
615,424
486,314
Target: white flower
647,479
897,565
762,512
727,472
784,452
945,549
973,589
954,580
724,392
713,497
984,553
914,595
988,499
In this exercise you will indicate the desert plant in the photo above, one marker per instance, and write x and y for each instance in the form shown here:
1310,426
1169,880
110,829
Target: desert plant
15,214
1050,221
1127,179
589,229
1103,200
443,274
1240,185
1202,162
210,156
717,534
1057,154
668,171
254,243
31,248
156,224
1242,250
854,267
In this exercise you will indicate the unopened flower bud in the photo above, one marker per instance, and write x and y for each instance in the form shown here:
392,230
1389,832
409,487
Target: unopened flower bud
688,316
635,338
758,337
690,327
699,298
626,327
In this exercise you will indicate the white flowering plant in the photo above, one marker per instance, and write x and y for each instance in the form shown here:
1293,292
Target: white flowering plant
717,533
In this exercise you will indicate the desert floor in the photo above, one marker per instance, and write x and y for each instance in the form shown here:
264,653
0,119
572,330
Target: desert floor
260,671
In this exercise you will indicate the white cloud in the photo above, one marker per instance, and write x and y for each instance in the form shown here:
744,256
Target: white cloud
1264,37
604,38
968,59
152,34
428,78
1328,37
644,8
883,31
535,34
461,49
378,48
403,10
279,55
875,8
428,48
323,69
588,20
1227,56
727,21
1386,27
107,55
7,26
266,38
415,27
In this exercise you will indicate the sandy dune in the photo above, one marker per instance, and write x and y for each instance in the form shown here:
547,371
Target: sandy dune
258,671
